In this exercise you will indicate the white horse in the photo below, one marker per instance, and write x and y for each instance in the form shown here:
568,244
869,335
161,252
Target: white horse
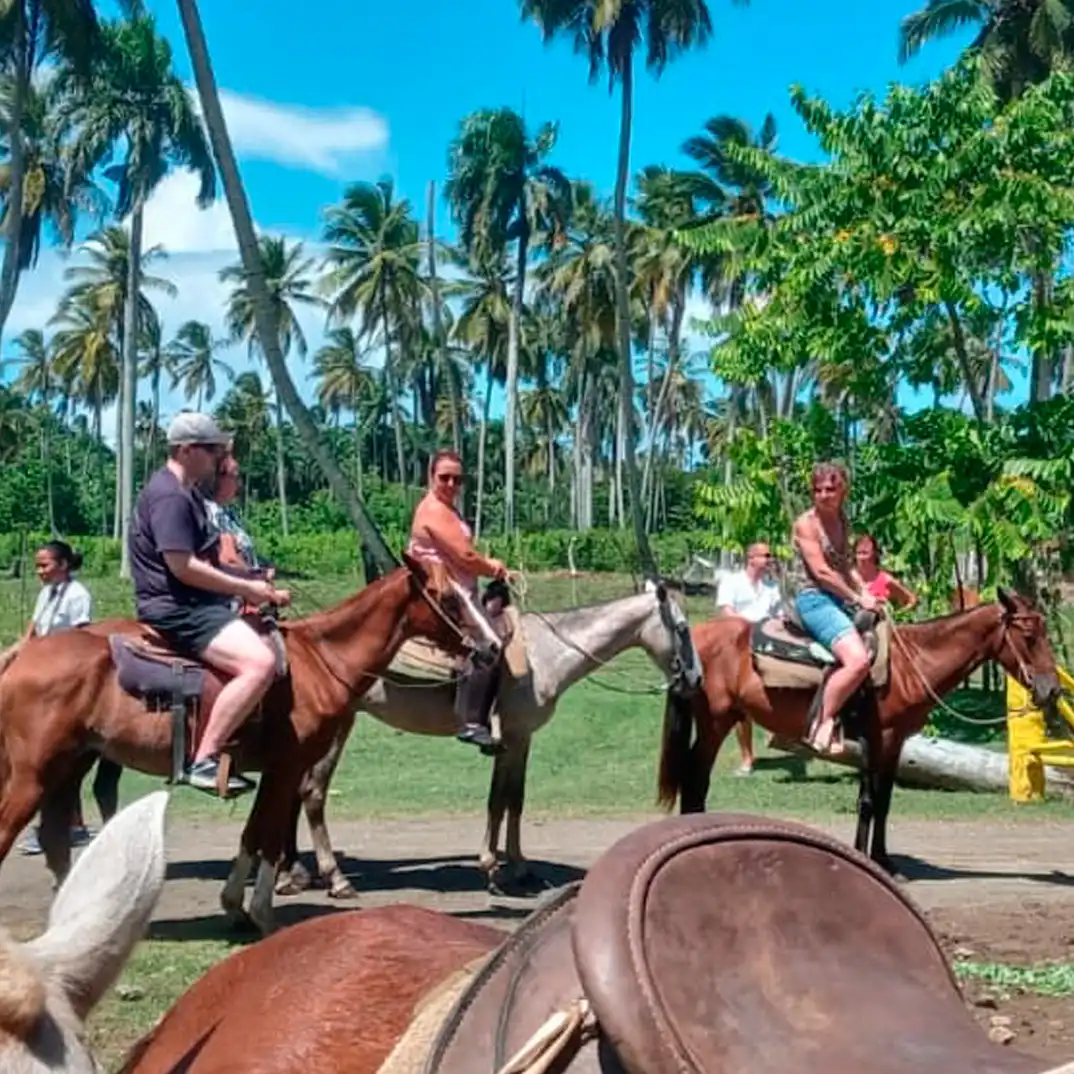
49,986
561,648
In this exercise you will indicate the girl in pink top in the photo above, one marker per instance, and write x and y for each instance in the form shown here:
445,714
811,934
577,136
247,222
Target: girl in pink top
878,582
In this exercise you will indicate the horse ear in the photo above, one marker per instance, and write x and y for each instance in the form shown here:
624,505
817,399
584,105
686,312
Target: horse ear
1007,599
104,906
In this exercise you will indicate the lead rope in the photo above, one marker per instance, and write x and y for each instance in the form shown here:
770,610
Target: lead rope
564,1029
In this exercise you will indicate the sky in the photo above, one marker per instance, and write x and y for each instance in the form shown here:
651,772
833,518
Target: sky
364,90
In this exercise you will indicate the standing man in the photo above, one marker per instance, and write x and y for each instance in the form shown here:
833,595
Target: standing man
751,594
180,589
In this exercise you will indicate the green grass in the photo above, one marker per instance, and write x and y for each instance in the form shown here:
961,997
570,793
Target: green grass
597,756
1054,979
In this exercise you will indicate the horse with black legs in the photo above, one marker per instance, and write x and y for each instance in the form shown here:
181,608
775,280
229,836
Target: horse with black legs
773,675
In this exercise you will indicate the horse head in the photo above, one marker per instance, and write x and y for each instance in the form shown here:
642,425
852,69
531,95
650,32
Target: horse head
683,663
1024,649
441,611
49,985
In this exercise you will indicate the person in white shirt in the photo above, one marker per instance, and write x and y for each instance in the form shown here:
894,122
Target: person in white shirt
753,595
64,603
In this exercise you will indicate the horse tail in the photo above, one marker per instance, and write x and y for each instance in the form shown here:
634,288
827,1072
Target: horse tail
679,720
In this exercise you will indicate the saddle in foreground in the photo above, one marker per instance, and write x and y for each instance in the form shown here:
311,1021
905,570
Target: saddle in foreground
721,944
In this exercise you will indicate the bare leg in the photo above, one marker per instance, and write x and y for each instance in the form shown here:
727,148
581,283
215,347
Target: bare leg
844,680
239,652
744,732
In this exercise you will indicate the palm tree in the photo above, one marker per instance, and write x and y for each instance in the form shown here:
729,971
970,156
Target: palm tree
30,32
344,380
1020,42
286,272
36,380
373,272
500,190
134,98
192,358
261,299
608,31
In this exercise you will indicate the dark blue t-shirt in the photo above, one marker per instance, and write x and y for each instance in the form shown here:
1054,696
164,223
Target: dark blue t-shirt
169,518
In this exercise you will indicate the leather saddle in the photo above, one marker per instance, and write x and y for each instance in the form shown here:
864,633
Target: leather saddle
721,944
150,670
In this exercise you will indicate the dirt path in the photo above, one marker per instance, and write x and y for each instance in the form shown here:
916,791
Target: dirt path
994,891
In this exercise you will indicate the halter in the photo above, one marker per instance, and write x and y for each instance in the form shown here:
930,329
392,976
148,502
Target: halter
1009,618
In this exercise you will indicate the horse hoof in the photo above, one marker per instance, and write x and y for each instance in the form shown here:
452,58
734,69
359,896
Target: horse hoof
242,923
289,887
343,891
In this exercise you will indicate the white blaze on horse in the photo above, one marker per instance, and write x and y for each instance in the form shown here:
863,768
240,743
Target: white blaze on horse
50,985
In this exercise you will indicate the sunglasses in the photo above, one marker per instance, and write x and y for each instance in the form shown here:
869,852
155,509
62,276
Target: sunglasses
450,479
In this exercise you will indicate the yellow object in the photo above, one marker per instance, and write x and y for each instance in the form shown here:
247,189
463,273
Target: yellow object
1028,745
1025,730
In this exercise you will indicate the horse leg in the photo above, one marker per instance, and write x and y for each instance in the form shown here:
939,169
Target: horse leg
19,800
234,894
57,808
497,805
292,877
693,797
866,796
315,798
885,786
106,787
517,868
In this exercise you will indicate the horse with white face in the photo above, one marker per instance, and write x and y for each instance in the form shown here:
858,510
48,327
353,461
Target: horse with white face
49,985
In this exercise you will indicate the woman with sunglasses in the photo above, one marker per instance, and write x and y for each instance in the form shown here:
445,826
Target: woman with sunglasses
439,534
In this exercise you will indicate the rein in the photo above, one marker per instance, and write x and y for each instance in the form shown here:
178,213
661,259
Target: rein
991,721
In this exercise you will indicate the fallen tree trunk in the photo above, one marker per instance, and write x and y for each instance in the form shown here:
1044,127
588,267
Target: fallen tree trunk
941,763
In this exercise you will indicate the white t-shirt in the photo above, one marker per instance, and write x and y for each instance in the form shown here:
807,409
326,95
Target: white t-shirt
61,607
752,600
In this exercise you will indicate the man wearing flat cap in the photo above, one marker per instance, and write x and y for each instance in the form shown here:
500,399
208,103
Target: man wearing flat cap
180,590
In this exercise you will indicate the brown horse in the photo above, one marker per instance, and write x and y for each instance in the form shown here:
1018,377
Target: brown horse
64,694
927,660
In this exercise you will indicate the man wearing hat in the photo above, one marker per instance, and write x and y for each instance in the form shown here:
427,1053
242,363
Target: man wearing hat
180,590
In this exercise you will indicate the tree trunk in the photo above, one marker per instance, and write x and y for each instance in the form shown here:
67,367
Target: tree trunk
265,320
152,446
281,468
393,391
438,327
622,304
9,270
514,330
942,763
129,376
959,338
481,435
1040,379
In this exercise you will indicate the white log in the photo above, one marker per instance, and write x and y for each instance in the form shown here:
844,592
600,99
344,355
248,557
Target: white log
939,762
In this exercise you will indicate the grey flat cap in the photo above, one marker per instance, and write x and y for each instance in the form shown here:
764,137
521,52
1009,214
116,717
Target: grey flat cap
192,427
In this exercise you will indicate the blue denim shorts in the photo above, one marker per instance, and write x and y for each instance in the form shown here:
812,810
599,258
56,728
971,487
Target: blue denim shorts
823,616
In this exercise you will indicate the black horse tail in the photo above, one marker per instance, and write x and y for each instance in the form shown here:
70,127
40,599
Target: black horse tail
679,720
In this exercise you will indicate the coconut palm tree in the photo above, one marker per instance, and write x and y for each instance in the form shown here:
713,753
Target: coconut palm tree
134,98
500,190
261,299
287,273
192,358
609,31
36,380
373,273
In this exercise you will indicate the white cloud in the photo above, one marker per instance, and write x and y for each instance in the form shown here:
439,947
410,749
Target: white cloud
324,140
173,220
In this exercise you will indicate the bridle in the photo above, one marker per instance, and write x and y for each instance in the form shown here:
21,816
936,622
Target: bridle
1021,658
680,636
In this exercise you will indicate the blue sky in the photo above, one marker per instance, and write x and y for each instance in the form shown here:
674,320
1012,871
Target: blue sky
362,90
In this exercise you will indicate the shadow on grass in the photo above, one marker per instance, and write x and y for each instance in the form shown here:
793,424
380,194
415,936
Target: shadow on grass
216,927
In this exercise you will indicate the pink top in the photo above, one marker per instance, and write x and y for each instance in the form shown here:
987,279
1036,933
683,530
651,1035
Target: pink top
422,548
880,586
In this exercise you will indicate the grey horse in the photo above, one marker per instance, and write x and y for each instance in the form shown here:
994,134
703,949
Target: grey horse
561,648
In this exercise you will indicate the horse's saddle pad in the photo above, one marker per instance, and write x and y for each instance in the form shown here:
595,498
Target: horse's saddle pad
421,658
724,944
146,669
787,658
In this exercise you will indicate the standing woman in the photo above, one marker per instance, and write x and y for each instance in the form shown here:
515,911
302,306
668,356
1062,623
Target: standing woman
877,581
64,603
439,534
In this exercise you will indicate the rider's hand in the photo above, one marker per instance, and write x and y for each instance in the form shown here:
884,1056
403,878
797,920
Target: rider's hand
270,574
264,592
868,602
498,569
